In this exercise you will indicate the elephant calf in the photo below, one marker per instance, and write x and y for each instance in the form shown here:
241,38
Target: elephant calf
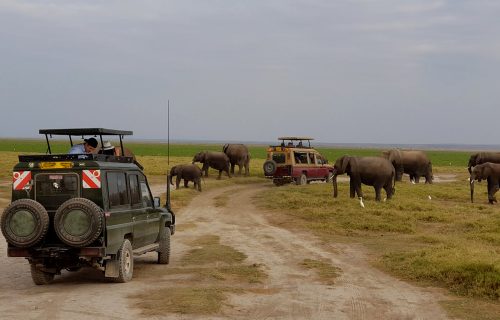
373,171
188,172
216,160
491,173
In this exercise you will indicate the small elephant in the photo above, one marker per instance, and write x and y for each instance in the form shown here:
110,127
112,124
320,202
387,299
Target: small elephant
238,155
373,171
414,163
489,171
216,160
483,157
188,172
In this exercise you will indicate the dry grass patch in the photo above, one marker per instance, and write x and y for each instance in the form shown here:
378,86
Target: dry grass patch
183,300
472,309
325,271
209,273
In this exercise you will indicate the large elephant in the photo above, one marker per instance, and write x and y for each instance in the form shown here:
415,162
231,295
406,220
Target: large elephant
216,160
491,173
188,172
414,163
483,157
238,155
373,171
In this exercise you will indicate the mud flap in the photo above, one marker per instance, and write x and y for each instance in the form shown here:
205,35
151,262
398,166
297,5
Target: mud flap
112,269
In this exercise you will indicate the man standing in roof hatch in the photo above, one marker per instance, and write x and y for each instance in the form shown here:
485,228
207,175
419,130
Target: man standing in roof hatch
88,146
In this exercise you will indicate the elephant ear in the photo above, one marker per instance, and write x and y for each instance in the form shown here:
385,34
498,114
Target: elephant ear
346,164
173,171
486,171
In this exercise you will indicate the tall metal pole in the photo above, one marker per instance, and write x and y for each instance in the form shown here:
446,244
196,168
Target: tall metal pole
169,208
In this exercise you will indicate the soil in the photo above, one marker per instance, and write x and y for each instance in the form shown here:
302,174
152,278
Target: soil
291,291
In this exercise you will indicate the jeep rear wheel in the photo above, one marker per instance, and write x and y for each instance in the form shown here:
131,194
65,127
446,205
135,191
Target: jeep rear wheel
301,180
164,249
24,223
40,277
78,222
269,167
125,262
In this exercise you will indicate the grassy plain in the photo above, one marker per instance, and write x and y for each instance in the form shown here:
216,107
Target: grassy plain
444,241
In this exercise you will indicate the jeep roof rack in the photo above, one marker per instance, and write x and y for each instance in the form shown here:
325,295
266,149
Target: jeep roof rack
291,139
84,132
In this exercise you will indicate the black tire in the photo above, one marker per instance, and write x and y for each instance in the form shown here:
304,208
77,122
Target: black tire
164,249
40,277
24,223
125,262
88,222
302,180
269,167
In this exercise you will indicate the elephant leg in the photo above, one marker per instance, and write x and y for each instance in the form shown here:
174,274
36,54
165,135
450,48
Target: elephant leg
247,170
197,184
177,182
378,190
358,190
220,173
205,168
232,167
388,190
492,189
228,174
186,181
352,191
417,178
240,166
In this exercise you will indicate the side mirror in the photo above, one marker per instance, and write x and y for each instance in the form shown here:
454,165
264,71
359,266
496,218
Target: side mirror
156,202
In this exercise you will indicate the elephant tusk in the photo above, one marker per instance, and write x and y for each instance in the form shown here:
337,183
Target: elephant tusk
385,199
412,181
472,181
430,198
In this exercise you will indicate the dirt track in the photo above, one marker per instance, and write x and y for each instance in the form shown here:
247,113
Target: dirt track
361,292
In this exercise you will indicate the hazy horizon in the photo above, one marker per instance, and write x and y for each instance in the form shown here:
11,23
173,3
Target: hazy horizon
347,71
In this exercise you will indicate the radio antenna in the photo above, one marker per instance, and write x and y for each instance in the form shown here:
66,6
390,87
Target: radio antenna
168,157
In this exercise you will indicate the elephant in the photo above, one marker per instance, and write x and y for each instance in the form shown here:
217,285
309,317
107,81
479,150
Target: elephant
489,171
238,155
482,157
216,160
373,171
188,172
414,163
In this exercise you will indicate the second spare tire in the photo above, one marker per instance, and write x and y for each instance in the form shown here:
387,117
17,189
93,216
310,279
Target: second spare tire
78,222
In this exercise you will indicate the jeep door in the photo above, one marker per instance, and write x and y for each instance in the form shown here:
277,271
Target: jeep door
119,218
152,213
139,211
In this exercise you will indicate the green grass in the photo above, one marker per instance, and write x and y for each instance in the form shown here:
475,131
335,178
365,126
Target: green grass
438,158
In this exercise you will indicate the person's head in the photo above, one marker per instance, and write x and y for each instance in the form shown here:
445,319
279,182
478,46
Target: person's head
90,145
108,148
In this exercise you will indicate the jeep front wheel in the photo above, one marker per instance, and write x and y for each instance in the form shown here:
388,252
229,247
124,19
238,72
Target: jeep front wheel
24,223
40,277
164,249
125,262
78,222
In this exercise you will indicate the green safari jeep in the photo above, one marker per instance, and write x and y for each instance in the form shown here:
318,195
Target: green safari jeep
70,211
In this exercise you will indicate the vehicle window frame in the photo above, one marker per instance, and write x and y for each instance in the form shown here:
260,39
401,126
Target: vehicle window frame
121,206
37,175
143,180
138,204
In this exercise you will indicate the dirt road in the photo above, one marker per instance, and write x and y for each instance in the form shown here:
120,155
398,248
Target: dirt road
361,292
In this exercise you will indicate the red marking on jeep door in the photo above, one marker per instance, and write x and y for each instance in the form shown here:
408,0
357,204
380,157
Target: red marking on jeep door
20,179
91,179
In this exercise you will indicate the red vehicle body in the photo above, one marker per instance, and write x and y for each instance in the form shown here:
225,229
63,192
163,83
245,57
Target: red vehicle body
290,162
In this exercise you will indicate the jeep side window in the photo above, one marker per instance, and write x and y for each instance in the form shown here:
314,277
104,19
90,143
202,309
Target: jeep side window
146,197
117,189
135,194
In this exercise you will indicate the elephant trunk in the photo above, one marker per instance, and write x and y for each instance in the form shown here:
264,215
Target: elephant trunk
169,179
334,181
471,189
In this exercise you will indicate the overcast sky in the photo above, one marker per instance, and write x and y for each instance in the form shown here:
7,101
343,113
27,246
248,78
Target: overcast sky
345,71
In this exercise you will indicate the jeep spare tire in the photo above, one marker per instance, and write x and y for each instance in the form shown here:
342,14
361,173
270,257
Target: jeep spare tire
24,223
269,167
78,222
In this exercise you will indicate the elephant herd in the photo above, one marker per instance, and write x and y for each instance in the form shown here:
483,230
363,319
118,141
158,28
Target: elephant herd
232,155
383,172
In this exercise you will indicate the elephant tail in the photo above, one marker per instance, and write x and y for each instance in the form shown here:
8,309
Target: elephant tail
393,180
